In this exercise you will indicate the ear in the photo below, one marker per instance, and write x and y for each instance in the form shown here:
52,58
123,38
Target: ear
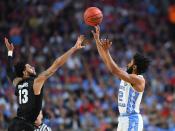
134,67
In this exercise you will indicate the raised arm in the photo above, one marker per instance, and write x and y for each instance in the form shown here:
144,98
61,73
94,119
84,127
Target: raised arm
103,49
10,66
96,35
39,81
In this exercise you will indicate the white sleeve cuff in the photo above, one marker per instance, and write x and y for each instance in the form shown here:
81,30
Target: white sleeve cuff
10,53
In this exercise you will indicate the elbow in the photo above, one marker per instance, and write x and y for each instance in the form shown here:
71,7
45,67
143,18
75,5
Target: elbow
140,88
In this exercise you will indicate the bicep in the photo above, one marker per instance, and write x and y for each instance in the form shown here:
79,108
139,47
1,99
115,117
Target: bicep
46,74
130,78
39,81
38,84
51,70
133,79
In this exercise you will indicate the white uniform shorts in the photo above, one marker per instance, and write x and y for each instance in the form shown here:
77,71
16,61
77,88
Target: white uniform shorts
132,122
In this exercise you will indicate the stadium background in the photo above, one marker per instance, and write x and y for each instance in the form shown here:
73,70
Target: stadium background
82,95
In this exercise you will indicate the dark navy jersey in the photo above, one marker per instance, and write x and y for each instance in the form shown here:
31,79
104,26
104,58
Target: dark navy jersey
29,103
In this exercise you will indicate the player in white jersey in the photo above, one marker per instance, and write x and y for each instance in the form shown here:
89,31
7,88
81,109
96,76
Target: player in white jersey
131,87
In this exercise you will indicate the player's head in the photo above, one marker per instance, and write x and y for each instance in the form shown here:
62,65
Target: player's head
23,69
139,64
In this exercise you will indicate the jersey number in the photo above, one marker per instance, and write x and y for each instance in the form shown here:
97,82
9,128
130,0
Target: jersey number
23,96
120,96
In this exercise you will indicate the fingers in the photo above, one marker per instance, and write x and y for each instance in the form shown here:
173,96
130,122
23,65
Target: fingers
105,43
81,37
82,47
12,45
97,28
6,40
79,42
93,32
107,40
102,41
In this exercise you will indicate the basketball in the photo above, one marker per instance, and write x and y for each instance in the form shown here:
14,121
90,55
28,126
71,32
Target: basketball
93,16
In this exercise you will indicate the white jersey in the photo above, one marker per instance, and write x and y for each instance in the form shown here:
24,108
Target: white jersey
43,127
128,99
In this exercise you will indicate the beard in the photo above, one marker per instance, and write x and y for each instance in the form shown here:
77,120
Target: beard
32,75
129,70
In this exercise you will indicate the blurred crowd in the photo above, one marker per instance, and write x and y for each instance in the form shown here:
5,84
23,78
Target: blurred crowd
82,95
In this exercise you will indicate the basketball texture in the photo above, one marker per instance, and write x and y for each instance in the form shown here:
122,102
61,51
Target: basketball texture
93,16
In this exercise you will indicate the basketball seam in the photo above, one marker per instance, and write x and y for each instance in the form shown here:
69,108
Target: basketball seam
93,21
92,16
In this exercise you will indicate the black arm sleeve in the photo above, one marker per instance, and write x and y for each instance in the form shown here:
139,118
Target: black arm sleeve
10,69
38,107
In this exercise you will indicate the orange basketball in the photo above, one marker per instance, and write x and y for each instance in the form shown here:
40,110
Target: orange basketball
93,16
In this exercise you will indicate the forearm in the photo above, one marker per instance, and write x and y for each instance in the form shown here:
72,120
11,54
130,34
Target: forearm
112,66
9,68
39,81
57,63
106,57
62,59
100,51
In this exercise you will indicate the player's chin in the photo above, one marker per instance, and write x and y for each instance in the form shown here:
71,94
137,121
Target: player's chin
33,74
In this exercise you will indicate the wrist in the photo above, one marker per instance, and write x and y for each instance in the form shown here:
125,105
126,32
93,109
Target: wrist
74,48
97,39
10,53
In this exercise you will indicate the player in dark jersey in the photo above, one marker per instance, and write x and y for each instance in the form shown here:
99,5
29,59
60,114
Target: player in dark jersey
28,86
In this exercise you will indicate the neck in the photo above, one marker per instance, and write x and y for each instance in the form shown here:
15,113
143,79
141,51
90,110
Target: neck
25,77
135,72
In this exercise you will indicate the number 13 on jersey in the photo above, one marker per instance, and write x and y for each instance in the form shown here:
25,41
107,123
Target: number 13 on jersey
23,96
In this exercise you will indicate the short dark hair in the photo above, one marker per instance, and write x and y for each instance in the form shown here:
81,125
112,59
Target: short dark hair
19,68
141,62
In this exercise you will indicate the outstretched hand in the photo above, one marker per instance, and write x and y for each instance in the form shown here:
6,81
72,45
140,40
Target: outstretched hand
105,44
9,46
96,33
79,42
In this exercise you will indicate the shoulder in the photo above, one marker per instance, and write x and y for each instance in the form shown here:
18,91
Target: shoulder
137,77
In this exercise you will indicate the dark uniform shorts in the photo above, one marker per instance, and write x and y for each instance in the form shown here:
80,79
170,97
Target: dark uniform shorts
19,124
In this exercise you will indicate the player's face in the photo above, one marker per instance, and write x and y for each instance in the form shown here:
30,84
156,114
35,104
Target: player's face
30,69
130,67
